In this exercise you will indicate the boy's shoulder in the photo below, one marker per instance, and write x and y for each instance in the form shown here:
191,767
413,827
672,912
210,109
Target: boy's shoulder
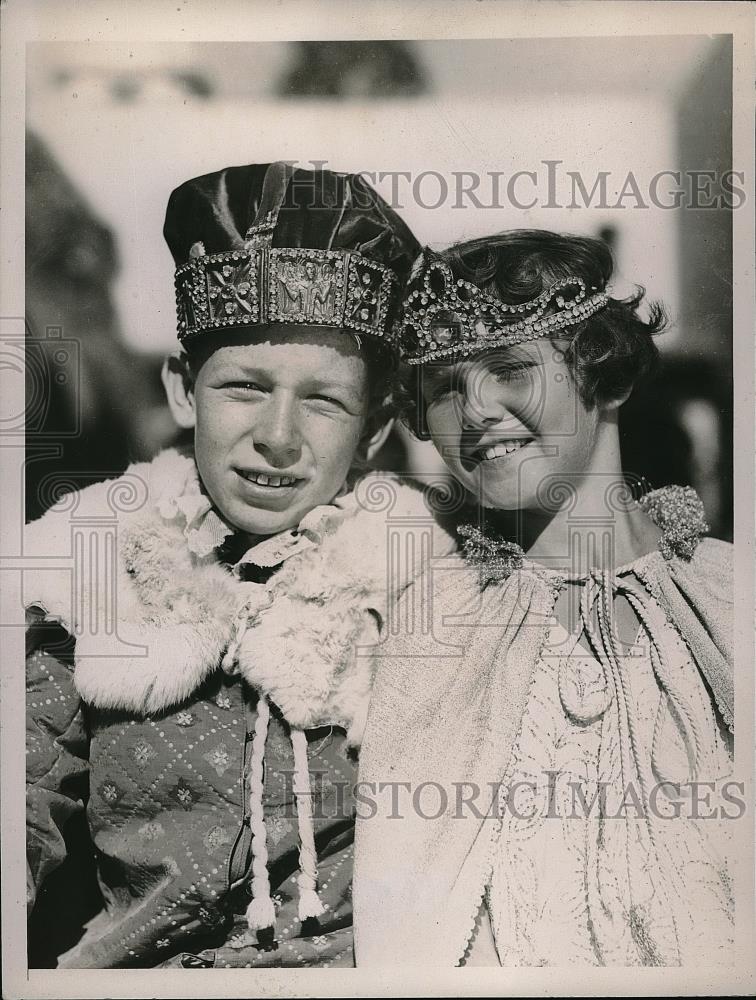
388,522
83,523
142,486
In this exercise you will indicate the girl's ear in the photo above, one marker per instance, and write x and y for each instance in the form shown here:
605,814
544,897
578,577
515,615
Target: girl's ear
615,402
179,388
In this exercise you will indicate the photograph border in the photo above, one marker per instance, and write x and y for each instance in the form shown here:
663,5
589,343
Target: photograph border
25,21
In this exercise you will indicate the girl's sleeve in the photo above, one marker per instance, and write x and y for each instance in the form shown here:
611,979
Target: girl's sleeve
481,948
57,747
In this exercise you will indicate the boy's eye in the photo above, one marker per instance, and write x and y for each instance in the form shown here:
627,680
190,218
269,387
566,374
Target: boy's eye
328,400
245,386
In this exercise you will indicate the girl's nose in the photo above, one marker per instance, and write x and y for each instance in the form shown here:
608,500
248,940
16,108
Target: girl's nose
483,400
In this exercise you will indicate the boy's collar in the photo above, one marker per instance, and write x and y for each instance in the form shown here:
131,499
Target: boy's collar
273,550
205,530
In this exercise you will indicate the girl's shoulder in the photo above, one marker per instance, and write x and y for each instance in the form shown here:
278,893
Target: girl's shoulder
709,573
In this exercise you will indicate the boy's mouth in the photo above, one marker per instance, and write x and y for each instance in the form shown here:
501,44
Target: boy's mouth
273,482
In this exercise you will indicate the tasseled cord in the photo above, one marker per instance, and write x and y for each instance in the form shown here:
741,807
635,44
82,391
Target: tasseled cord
310,904
261,912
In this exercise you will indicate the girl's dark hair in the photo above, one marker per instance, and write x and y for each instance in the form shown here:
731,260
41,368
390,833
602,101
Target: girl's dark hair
608,353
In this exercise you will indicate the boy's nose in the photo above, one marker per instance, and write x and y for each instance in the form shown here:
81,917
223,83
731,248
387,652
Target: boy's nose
276,432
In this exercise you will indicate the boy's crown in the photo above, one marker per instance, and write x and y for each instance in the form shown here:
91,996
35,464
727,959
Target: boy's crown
270,243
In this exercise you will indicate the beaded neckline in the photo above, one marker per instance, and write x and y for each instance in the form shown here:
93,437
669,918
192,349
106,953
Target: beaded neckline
676,510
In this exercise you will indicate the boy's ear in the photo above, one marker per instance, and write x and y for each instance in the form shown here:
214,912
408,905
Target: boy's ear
179,388
376,433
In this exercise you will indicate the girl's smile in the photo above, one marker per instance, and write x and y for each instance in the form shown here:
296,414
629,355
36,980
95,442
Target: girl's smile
507,420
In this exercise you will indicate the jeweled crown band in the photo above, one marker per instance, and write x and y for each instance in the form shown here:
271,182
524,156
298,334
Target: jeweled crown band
258,285
445,317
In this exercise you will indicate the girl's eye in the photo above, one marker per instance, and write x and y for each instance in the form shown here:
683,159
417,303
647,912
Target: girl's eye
514,373
441,388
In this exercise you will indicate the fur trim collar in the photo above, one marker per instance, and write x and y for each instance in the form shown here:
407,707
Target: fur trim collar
154,614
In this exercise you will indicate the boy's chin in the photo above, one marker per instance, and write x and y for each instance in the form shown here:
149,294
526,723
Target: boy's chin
260,523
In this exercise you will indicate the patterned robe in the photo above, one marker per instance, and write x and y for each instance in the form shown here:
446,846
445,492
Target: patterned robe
144,689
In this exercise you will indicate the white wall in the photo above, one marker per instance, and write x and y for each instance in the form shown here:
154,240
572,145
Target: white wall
125,159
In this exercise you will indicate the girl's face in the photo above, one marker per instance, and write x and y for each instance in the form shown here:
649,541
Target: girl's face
510,424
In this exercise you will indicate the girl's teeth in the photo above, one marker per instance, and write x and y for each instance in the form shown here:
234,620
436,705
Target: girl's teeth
504,448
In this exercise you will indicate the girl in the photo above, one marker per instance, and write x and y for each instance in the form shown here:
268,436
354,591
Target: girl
578,667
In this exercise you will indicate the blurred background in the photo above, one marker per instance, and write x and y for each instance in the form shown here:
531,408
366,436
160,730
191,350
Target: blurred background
112,129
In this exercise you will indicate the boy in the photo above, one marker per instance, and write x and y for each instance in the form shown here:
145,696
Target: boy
193,725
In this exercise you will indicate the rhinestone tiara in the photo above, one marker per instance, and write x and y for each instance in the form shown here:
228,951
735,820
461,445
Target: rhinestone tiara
443,316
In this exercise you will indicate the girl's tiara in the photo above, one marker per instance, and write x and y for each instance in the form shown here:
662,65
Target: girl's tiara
446,317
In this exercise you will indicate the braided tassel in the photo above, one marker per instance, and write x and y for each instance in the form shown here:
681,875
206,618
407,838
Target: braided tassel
694,741
228,663
310,904
261,912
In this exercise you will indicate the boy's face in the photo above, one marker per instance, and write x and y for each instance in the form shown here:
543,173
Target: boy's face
278,421
510,424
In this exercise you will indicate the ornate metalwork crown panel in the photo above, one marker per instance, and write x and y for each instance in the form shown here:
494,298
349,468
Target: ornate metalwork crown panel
261,285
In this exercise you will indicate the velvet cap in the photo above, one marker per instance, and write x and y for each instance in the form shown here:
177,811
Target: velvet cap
272,243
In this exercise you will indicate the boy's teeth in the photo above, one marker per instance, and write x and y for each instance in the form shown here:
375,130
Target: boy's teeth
262,480
504,448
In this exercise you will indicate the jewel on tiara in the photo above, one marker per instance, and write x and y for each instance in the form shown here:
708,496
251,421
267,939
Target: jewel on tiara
443,316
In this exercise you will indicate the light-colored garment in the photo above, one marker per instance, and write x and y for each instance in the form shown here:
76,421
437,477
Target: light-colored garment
570,886
447,711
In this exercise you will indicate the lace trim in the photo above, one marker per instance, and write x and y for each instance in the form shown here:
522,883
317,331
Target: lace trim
676,510
486,869
656,594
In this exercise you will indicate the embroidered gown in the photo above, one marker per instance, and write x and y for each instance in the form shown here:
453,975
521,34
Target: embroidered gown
495,694
605,857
